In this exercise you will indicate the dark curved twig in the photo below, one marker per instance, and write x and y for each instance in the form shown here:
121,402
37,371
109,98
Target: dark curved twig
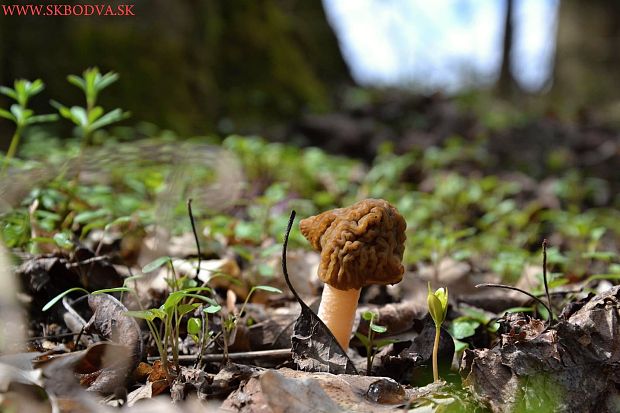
544,246
284,247
191,220
509,287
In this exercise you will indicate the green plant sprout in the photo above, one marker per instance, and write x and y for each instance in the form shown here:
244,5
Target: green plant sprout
437,308
92,117
232,319
371,345
19,113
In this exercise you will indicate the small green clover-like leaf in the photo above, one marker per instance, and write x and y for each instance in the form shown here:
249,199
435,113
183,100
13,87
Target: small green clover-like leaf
194,326
463,327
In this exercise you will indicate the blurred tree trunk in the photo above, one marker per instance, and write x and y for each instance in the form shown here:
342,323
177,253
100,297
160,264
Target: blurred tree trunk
199,66
506,84
587,64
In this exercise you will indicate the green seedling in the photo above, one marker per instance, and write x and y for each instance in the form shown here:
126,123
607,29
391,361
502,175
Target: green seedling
369,342
92,117
19,113
170,314
437,308
465,326
229,323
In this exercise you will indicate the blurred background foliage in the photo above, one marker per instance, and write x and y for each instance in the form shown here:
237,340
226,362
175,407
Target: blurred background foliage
482,174
200,66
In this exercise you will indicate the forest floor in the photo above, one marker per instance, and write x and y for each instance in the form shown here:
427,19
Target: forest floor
150,269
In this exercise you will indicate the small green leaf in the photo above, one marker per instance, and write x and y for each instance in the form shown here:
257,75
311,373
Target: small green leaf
212,309
368,315
7,115
379,344
77,81
437,304
192,289
118,221
94,114
267,288
59,297
194,326
183,309
87,216
7,91
113,116
602,277
459,345
153,265
106,80
132,278
41,119
519,310
265,270
112,290
63,240
79,116
378,329
363,339
202,297
172,301
462,328
149,315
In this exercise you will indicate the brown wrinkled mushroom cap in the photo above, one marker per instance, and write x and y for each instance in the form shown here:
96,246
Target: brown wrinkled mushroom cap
359,245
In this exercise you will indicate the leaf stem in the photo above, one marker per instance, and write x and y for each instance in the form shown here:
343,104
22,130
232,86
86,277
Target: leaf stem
10,153
544,246
436,354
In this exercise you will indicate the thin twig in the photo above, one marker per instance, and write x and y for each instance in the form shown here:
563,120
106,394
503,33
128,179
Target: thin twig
281,353
544,246
508,287
90,260
284,247
191,220
52,336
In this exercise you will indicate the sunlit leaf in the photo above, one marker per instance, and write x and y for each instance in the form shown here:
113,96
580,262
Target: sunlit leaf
59,297
153,265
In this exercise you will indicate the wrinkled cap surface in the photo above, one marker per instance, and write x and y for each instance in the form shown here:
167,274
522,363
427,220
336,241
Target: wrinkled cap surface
359,245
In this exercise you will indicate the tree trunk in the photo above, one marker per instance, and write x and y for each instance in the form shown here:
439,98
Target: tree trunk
587,64
506,84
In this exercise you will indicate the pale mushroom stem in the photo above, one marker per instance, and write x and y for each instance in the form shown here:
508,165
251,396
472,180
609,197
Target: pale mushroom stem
337,310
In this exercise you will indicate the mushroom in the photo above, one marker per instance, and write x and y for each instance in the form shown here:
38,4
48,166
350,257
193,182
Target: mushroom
359,245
